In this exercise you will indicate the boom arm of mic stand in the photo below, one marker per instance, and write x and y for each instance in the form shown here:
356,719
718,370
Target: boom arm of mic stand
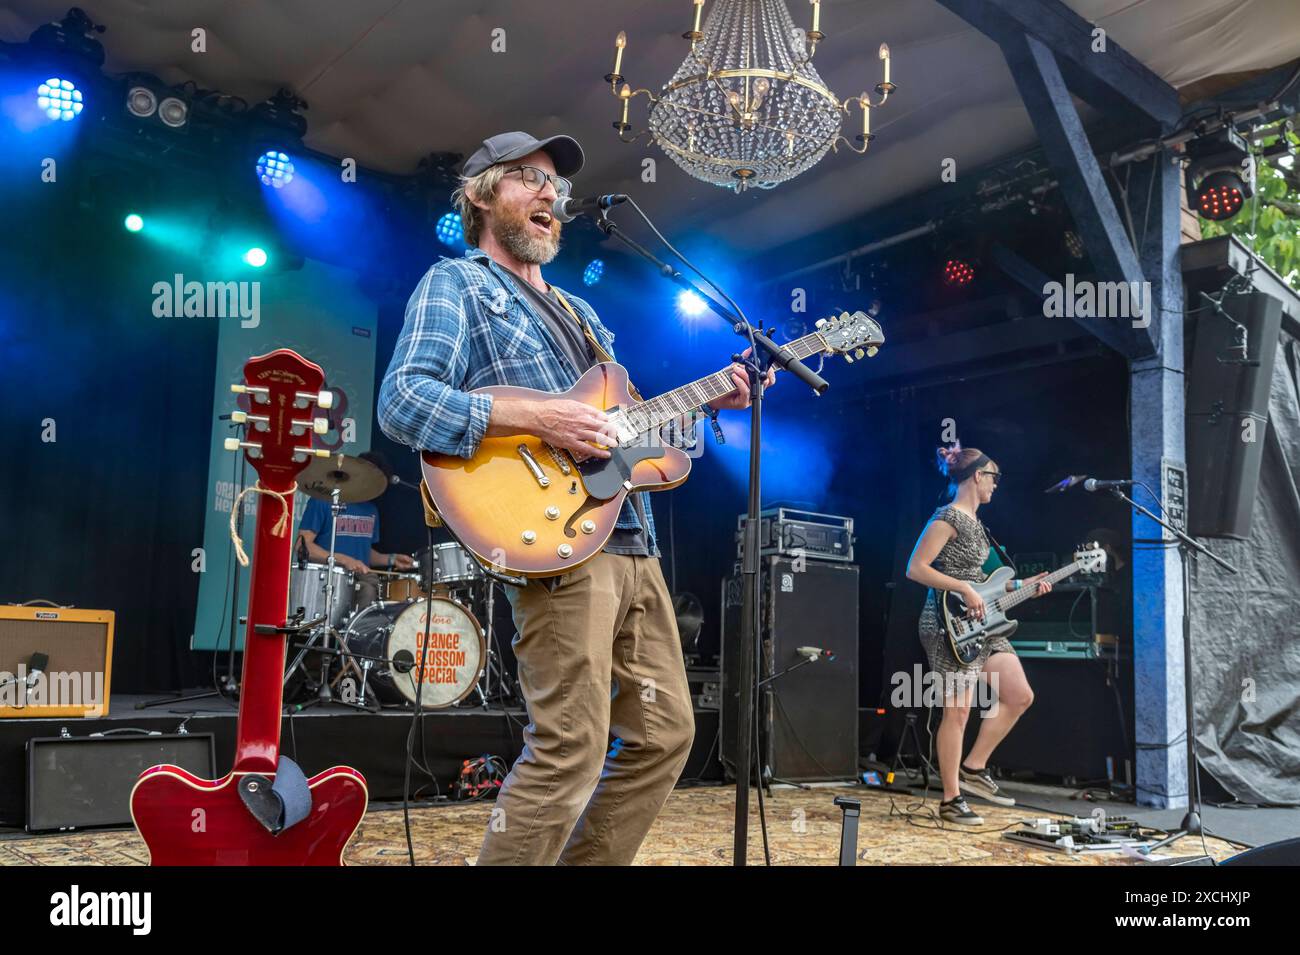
780,355
1189,542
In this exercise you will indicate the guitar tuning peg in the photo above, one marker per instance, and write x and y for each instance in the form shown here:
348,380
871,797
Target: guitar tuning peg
849,359
239,417
323,399
321,425
859,353
232,444
820,323
871,352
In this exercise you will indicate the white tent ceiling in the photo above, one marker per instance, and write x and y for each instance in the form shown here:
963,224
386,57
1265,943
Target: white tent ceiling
389,81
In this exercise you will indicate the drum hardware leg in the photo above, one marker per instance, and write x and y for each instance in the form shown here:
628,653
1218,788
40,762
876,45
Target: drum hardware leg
365,676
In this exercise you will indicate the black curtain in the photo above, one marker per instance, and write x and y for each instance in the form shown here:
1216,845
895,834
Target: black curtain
108,513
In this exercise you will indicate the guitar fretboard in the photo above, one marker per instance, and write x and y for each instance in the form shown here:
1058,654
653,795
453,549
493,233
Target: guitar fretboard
1007,601
671,404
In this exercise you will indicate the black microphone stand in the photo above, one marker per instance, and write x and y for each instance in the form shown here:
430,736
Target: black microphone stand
1188,548
764,354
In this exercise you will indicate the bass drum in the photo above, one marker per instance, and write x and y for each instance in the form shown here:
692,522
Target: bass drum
393,633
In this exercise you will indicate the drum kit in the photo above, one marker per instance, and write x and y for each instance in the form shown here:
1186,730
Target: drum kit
367,656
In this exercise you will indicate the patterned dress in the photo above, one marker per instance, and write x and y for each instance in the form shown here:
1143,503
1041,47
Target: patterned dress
962,557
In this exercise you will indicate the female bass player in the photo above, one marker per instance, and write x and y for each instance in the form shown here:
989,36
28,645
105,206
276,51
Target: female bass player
950,553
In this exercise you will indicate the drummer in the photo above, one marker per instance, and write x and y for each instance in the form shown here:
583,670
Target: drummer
354,549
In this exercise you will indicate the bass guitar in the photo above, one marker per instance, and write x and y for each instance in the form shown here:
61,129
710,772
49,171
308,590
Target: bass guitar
967,636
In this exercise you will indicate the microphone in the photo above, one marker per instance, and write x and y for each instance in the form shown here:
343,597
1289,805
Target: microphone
567,208
815,653
1092,484
403,661
1065,484
35,667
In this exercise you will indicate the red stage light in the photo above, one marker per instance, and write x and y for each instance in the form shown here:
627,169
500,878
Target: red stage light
957,272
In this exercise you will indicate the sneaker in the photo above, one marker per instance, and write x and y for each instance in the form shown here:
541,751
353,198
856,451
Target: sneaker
955,810
979,782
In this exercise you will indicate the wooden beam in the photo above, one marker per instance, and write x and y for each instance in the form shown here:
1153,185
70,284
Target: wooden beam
1101,78
1106,330
1065,142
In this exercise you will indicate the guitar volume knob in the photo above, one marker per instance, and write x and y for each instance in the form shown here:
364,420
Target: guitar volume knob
564,550
529,537
588,527
552,513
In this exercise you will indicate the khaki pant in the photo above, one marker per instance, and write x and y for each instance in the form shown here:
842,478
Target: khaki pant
610,716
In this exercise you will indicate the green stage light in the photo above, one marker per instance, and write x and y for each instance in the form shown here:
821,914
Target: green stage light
255,257
133,223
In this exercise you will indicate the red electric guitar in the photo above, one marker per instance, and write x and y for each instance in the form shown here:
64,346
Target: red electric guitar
185,820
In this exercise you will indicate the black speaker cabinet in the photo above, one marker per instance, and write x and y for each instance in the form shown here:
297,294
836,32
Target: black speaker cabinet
808,717
77,782
1227,413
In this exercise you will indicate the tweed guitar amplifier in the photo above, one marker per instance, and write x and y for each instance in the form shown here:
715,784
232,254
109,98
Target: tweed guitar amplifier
54,661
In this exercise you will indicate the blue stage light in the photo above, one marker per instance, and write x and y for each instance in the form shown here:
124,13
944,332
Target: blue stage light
451,231
59,99
274,169
691,304
133,222
255,257
593,272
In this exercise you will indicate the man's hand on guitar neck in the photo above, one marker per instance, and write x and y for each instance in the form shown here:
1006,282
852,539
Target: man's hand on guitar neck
738,400
574,426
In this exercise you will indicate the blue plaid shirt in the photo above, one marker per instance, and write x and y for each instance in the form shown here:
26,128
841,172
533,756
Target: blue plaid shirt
467,326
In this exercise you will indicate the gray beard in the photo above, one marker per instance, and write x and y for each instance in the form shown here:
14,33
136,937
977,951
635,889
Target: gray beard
524,246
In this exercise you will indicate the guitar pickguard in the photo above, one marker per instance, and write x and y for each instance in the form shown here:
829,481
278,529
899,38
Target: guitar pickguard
603,478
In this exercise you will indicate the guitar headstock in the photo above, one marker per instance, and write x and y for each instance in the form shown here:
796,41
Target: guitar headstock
1091,558
853,335
284,390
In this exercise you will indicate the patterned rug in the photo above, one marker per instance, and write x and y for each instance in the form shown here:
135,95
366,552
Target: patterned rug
695,828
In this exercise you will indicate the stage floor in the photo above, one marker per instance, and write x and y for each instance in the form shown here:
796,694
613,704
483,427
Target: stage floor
695,828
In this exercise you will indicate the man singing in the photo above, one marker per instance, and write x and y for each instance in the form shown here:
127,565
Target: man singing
598,650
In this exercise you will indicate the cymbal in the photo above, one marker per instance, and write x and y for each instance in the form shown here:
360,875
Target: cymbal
357,480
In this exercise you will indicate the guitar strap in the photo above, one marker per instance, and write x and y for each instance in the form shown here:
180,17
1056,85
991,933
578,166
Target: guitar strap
591,338
431,516
1002,554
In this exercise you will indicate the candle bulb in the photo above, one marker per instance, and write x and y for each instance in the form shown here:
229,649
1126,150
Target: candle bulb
620,41
817,15
699,9
884,55
866,119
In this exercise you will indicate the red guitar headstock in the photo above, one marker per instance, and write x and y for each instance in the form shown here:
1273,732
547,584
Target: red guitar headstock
284,390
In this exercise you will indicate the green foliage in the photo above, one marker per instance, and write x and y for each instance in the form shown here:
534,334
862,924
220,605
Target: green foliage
1273,215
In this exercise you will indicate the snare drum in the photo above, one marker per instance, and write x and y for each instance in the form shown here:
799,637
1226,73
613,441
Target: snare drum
449,565
395,632
307,590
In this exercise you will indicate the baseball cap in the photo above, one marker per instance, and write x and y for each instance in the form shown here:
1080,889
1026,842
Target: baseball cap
504,147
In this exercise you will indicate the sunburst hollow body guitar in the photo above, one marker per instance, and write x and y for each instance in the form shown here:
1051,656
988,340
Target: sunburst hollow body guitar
529,509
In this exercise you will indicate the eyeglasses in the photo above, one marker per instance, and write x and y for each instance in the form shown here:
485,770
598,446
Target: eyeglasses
996,475
535,179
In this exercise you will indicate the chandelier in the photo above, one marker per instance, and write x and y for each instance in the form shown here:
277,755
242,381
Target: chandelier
747,107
